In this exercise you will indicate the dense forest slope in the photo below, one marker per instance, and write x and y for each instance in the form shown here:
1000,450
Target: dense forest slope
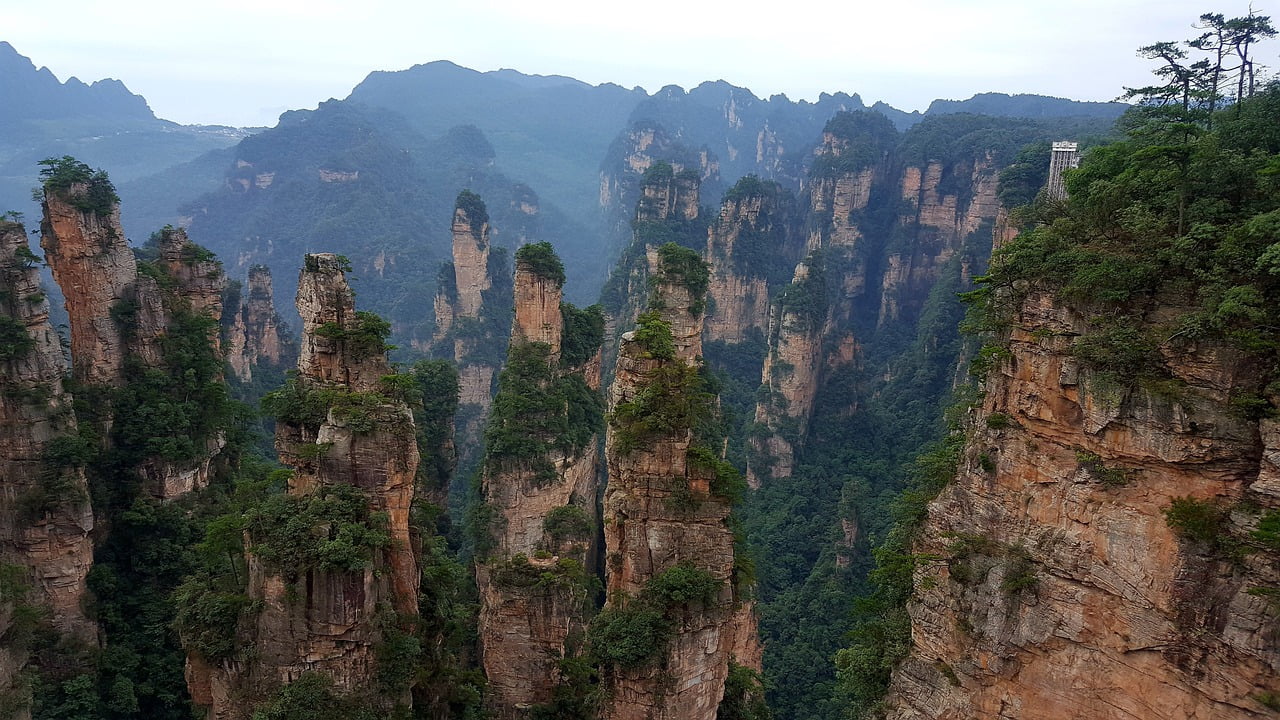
705,496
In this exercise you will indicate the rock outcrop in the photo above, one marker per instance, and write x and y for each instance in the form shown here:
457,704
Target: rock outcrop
121,311
791,375
667,211
535,584
470,255
665,517
941,221
1063,588
751,247
255,337
354,468
638,149
45,516
91,261
192,287
469,318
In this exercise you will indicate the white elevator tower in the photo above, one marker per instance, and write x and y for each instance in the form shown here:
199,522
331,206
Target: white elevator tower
1064,155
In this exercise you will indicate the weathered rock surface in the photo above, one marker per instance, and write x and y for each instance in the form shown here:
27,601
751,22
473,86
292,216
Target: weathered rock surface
469,320
526,627
941,222
470,261
198,277
753,233
91,261
1063,591
660,512
537,310
790,380
45,517
255,337
98,273
328,621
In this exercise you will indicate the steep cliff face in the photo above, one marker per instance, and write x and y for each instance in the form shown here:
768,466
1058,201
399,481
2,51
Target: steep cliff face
667,211
254,337
1065,587
122,313
941,218
827,290
91,261
539,485
470,256
187,288
749,246
471,318
669,550
351,445
197,275
637,149
791,375
45,517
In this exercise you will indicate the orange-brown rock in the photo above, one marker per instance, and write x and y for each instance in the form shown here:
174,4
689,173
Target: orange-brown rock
533,591
91,261
1004,231
327,620
98,273
537,309
660,512
47,535
1061,589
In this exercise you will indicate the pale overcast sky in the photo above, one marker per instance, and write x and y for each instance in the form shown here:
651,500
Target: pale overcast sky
243,62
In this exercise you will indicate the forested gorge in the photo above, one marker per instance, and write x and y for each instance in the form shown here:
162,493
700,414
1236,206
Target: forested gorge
868,426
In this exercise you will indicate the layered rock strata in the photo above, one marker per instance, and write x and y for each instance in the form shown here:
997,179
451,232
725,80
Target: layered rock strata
467,321
668,206
254,337
664,514
535,583
329,619
752,236
942,221
45,517
1061,587
91,261
101,283
791,376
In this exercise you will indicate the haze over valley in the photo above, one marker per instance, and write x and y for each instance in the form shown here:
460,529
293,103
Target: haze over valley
504,394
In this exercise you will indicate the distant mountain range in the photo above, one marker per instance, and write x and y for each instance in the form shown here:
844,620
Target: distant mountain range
567,146
102,123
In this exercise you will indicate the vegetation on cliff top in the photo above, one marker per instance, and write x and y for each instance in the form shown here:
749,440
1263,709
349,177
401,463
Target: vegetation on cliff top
1183,206
1175,212
542,261
633,631
474,208
94,194
538,411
